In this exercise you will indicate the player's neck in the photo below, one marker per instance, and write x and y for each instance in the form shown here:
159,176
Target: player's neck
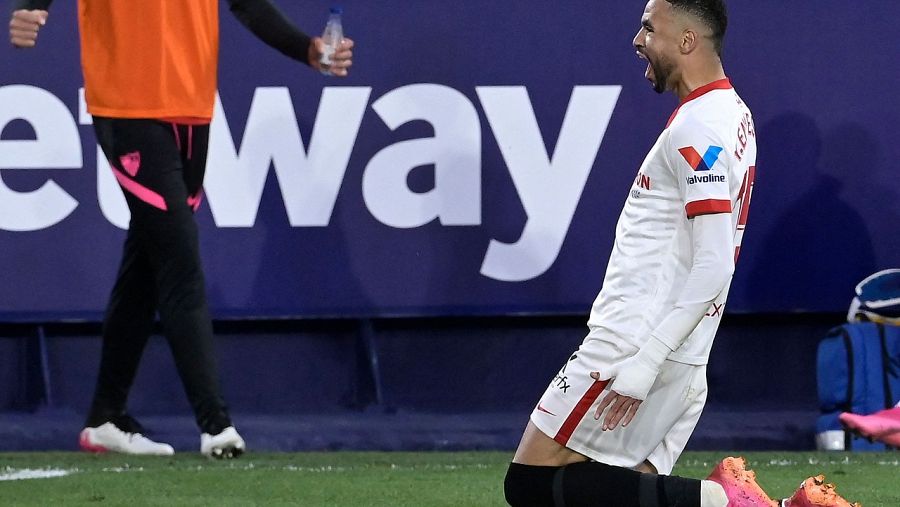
693,78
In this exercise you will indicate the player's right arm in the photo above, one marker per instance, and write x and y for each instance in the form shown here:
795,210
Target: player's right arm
27,18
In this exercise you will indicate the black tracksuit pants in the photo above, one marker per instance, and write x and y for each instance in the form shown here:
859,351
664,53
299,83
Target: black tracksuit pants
160,167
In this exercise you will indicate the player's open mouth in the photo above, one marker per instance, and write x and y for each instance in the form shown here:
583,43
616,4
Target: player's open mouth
648,72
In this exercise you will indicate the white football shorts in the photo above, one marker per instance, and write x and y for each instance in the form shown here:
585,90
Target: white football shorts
660,429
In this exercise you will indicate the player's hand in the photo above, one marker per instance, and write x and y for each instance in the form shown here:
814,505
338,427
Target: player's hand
24,27
632,380
341,60
623,408
631,383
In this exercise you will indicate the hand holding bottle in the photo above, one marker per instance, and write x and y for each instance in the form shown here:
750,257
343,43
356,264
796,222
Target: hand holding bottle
331,53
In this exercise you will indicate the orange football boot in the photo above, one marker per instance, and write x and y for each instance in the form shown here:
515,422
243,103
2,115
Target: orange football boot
815,493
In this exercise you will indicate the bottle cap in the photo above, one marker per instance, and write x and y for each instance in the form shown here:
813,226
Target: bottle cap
336,10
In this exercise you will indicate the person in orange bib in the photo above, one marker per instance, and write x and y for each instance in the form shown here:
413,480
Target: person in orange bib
150,82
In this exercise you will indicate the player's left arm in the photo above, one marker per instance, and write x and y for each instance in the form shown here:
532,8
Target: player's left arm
712,237
708,207
267,22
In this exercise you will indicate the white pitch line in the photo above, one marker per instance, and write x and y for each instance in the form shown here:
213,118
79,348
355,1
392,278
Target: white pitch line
29,473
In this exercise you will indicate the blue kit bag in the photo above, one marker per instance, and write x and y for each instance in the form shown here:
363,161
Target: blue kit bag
858,364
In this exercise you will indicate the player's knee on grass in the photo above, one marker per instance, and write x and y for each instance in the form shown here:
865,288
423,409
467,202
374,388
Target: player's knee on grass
528,485
591,484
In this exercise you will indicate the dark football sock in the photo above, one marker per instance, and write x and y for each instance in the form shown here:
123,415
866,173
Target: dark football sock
595,484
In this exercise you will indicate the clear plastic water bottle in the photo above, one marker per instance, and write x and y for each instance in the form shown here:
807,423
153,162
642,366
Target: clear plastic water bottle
332,37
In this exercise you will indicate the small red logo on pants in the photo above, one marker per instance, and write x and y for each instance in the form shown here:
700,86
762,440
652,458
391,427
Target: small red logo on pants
131,162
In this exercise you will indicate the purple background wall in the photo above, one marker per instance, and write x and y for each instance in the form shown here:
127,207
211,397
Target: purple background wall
819,79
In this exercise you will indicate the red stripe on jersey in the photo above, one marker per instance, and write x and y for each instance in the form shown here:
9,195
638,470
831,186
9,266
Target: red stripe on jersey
745,193
722,84
565,432
707,207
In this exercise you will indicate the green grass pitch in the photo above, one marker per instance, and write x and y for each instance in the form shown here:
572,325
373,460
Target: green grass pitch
374,479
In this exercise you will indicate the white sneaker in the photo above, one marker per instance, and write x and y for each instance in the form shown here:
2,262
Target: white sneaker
109,438
227,444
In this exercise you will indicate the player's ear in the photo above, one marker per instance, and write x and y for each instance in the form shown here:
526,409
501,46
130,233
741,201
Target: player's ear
688,42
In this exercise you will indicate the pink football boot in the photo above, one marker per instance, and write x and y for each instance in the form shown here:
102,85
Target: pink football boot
740,484
882,426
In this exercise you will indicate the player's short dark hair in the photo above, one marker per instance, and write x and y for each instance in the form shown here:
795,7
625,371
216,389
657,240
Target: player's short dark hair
713,13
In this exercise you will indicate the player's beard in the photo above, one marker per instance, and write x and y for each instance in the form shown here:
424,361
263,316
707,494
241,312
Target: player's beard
662,69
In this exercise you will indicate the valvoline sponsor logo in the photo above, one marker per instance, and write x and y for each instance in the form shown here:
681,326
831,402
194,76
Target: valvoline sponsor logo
704,163
697,162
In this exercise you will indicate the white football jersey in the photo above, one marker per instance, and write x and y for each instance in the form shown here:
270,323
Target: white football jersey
703,162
